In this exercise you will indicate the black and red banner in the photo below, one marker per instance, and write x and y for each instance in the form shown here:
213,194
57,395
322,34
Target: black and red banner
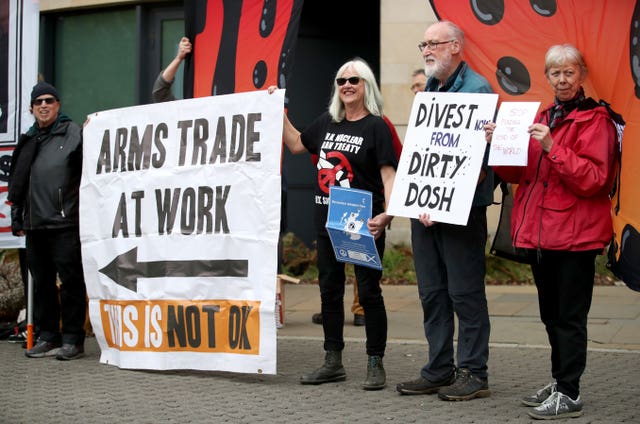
239,45
606,32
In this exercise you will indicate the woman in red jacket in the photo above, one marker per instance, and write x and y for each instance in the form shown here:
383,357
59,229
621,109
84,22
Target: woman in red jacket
562,216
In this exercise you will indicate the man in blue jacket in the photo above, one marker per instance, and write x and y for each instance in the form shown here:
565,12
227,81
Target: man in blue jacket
450,259
44,192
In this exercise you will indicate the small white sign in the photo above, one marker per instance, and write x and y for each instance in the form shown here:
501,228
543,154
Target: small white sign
510,141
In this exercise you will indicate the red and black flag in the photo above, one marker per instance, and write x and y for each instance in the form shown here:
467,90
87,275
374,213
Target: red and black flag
239,45
607,34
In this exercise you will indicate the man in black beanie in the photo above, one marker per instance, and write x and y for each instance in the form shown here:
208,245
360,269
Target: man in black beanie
44,185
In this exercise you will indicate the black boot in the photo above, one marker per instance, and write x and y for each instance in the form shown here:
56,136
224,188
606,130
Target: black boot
376,377
331,370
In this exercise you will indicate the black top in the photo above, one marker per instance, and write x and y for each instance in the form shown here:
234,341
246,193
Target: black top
350,154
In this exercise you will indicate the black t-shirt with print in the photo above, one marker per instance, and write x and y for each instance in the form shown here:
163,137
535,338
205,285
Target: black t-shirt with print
350,154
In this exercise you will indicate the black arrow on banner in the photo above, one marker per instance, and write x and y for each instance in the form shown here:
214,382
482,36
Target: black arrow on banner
125,269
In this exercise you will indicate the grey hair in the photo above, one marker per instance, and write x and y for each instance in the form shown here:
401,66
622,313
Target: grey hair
562,54
372,95
455,32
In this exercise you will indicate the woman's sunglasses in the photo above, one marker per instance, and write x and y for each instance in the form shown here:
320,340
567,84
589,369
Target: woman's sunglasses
352,81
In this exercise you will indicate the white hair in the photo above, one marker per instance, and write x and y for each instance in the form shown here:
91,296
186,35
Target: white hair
372,94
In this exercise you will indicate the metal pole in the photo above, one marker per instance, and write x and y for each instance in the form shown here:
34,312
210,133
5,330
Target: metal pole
29,311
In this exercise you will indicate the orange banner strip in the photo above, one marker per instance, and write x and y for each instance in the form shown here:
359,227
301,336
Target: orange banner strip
221,326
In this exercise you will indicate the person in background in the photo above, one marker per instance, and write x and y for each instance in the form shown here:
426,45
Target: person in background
354,113
356,308
450,259
562,216
44,190
162,86
418,81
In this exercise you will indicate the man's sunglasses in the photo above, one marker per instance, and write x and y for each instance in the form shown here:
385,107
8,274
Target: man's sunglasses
352,81
47,100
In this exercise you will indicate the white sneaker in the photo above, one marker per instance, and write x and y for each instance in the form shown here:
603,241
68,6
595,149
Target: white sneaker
557,406
540,396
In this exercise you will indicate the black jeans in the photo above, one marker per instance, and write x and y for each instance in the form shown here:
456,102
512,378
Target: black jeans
331,276
565,289
450,269
54,253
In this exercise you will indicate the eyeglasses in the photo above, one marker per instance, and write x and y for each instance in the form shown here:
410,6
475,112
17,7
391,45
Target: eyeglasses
352,81
47,100
432,45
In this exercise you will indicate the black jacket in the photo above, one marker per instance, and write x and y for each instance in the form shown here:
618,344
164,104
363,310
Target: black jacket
44,180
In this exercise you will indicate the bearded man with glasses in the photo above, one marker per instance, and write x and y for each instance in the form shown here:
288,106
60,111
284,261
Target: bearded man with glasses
450,259
44,188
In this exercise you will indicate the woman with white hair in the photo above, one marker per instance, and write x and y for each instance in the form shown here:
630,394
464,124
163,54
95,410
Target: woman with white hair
354,148
562,217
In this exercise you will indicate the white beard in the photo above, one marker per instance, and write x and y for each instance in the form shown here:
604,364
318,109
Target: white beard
435,68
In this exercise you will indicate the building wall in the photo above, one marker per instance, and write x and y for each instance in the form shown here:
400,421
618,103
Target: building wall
402,24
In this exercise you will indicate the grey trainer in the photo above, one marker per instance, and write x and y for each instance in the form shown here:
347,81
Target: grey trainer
43,349
70,351
540,396
557,406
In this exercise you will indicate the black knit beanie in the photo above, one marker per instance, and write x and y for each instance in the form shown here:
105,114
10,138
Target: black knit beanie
43,88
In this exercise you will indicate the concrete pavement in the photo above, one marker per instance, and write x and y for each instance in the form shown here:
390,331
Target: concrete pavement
614,320
85,391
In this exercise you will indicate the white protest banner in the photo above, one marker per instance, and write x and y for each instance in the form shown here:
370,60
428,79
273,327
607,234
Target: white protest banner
510,141
442,156
179,223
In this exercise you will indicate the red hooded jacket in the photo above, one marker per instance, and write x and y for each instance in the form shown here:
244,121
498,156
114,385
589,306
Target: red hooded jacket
562,200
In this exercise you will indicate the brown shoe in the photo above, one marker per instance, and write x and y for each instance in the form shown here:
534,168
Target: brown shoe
422,386
466,387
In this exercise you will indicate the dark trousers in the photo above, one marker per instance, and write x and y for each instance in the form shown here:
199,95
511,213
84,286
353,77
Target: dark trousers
565,289
450,269
331,276
54,253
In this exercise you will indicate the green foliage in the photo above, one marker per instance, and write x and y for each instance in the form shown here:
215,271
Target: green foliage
502,271
300,261
397,266
297,259
11,291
